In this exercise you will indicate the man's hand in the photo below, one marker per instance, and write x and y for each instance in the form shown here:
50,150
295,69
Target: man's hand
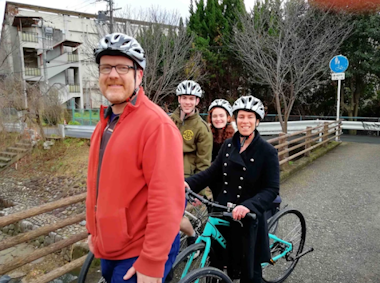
239,212
90,245
141,278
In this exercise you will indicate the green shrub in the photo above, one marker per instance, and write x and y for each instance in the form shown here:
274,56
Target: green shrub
74,123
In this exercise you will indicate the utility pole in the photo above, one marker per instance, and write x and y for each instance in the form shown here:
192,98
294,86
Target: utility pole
44,52
111,15
101,14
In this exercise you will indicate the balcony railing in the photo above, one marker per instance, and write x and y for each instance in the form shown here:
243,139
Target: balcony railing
73,58
30,36
74,88
35,72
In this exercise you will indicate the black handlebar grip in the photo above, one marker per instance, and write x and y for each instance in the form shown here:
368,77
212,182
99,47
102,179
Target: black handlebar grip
248,215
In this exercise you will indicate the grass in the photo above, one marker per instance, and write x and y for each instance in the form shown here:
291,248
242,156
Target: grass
85,114
66,157
8,139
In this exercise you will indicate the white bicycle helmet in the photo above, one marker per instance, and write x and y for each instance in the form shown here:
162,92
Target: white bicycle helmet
189,88
223,104
249,103
120,44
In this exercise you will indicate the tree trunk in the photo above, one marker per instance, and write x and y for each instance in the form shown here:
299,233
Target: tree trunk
39,124
278,106
350,115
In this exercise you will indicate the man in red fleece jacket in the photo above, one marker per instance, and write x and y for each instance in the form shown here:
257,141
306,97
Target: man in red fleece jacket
135,194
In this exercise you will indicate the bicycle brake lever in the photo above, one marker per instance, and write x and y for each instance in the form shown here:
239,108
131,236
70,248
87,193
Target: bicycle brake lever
241,224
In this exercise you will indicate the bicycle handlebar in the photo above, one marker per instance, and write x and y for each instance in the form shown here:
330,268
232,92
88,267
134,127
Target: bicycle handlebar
227,213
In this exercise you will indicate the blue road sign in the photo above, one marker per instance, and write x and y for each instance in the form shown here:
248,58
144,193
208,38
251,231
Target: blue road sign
339,64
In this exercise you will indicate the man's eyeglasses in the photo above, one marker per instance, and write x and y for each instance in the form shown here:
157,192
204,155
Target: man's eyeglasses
121,69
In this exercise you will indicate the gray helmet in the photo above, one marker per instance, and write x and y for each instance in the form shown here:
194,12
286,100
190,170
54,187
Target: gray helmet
120,44
189,88
249,103
223,104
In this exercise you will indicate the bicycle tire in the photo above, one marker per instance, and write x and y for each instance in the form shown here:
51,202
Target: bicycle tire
179,264
206,275
198,218
291,227
83,274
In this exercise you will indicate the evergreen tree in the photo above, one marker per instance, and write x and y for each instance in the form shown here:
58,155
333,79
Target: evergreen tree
362,49
213,26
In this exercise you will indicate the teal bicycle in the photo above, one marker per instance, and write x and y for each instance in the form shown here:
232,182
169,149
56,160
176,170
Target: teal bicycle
287,239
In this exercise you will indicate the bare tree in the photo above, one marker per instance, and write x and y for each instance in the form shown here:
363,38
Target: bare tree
288,46
168,49
44,105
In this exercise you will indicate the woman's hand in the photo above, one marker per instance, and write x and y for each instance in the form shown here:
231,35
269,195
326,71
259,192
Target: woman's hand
196,202
239,212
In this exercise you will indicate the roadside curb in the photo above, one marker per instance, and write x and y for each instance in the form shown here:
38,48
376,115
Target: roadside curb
304,161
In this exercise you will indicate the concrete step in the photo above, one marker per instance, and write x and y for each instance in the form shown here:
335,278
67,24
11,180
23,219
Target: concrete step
5,159
7,153
17,149
3,164
23,144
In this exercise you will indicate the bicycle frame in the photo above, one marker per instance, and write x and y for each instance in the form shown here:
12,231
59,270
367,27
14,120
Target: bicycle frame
209,231
212,231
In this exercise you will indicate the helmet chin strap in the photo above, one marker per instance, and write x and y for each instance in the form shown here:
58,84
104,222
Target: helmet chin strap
245,138
136,88
186,115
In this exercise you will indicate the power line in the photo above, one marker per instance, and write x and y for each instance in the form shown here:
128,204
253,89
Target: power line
77,5
85,6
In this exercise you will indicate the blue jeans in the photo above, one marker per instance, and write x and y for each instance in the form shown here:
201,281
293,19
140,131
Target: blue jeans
113,271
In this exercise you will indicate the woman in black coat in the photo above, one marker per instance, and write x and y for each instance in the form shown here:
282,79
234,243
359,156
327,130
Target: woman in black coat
249,168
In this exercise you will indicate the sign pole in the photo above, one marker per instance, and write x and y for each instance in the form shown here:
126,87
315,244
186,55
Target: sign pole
337,110
338,66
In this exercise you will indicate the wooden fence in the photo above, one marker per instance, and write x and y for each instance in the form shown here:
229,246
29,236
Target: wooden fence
39,253
306,140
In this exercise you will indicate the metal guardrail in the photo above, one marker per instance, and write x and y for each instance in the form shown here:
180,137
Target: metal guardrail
293,145
274,128
265,128
365,126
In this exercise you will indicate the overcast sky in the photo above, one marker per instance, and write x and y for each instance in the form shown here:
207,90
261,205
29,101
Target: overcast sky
92,6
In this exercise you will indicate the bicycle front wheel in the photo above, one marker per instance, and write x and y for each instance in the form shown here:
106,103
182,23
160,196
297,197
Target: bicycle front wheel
206,275
187,260
290,227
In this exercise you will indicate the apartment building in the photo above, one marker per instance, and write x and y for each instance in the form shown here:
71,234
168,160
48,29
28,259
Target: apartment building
54,47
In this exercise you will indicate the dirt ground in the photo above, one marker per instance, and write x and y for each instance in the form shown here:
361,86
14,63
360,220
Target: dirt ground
67,159
62,169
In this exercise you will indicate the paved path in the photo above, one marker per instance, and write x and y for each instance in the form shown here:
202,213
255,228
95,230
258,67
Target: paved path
361,139
339,195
